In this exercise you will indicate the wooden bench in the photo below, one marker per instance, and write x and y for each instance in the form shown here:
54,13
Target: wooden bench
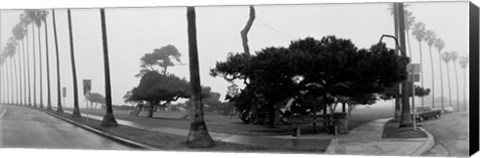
295,121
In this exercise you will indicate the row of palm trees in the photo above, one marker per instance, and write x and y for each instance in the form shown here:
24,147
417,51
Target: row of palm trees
424,35
198,134
20,79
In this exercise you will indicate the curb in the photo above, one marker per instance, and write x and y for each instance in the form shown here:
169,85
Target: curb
107,135
428,144
3,113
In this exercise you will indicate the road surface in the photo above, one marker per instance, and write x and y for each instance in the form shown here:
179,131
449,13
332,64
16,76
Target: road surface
21,127
451,135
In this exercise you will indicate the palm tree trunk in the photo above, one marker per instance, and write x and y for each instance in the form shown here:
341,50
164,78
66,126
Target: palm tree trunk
409,47
397,114
34,70
28,74
421,68
19,79
456,79
1,81
9,84
245,30
24,74
449,87
198,136
40,67
464,89
441,78
59,92
405,119
433,77
49,101
76,109
108,119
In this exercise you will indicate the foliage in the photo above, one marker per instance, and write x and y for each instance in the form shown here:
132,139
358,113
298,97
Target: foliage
328,68
162,57
95,98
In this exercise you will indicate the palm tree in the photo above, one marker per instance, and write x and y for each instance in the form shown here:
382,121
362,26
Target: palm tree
409,22
463,61
59,100
439,44
9,51
76,110
419,31
108,119
30,18
446,57
198,135
454,57
40,15
430,38
44,13
18,32
25,21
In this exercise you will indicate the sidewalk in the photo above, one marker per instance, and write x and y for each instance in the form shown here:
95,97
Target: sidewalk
367,140
363,140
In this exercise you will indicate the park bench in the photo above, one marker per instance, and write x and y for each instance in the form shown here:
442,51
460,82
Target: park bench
296,121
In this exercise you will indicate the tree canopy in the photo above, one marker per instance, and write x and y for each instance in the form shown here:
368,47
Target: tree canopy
162,58
328,68
95,98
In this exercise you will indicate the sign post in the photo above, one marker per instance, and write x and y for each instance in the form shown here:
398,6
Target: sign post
414,71
87,87
64,94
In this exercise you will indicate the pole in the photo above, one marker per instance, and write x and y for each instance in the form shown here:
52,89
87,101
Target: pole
413,102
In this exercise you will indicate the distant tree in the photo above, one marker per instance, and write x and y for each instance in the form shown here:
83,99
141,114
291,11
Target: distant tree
463,61
95,98
446,57
439,44
162,58
419,31
430,38
158,90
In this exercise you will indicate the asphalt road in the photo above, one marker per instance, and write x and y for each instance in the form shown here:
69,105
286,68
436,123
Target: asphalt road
22,127
451,135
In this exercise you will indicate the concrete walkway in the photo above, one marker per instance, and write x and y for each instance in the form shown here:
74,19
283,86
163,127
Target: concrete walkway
363,140
367,140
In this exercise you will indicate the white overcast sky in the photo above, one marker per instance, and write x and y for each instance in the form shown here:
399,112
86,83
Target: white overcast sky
132,32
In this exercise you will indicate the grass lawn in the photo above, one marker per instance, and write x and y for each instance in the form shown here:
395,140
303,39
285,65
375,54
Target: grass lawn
392,130
174,142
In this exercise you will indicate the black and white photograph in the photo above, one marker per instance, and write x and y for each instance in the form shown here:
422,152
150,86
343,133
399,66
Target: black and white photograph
357,79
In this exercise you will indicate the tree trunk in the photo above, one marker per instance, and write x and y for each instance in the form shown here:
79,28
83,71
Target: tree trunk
19,79
449,87
433,77
150,111
59,92
397,89
49,101
76,110
456,79
441,78
245,30
24,74
34,69
405,119
198,136
421,68
464,89
15,78
41,71
28,73
108,119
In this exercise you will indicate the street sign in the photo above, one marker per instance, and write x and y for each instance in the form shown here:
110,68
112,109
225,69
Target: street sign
64,90
87,86
413,68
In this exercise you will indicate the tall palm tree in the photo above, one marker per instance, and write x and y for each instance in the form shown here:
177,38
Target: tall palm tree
31,16
40,16
49,101
446,57
419,31
409,22
76,109
59,100
9,51
463,61
439,44
198,135
18,33
25,21
108,119
430,38
453,58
